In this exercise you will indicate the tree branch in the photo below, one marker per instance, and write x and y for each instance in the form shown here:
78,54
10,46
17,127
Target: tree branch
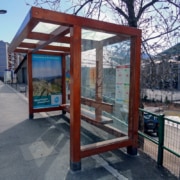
177,5
82,6
162,34
121,12
150,57
141,10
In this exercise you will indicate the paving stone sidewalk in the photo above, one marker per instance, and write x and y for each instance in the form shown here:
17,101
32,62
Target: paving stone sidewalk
38,149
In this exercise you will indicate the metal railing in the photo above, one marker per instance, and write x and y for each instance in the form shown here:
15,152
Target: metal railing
164,148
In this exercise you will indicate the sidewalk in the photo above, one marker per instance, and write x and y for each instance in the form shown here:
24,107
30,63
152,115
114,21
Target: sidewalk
38,149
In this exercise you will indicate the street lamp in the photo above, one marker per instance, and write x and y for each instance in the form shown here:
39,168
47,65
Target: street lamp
3,11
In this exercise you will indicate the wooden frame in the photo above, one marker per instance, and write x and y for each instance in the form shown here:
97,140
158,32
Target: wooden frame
30,91
72,24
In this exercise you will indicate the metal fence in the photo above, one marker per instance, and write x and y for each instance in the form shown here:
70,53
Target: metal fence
164,148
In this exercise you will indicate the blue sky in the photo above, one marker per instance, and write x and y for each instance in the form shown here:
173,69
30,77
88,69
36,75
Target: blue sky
12,20
16,13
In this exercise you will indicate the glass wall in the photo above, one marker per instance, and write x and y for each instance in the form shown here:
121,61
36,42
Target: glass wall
105,82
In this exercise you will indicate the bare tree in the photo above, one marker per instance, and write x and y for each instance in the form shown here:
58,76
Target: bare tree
158,19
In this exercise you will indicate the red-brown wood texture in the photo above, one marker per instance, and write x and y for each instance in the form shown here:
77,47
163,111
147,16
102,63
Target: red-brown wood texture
63,79
108,145
134,96
30,87
75,91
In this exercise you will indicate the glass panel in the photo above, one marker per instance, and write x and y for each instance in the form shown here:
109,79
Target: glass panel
94,35
22,48
105,80
33,41
45,28
51,51
59,44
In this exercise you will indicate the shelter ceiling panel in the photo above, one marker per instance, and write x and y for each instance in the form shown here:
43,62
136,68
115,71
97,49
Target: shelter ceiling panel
60,44
34,41
62,31
22,33
45,28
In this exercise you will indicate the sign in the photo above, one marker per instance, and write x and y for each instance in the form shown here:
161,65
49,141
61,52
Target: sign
122,84
46,80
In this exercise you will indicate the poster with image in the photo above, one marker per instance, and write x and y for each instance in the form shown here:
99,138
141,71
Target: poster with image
46,80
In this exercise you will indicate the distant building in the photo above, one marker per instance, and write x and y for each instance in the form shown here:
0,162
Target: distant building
8,61
21,71
3,58
163,72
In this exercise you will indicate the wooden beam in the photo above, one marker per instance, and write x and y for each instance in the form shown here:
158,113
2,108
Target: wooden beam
48,109
93,103
108,145
19,50
105,127
26,51
23,32
48,47
59,33
53,17
30,86
91,114
46,37
108,128
99,79
63,79
91,44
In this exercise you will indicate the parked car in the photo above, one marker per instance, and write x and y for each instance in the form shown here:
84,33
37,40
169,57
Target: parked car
151,123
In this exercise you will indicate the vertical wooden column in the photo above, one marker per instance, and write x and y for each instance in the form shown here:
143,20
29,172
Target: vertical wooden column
99,79
75,93
134,93
63,81
30,87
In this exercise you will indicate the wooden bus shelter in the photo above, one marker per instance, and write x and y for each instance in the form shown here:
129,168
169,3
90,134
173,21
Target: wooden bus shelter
50,33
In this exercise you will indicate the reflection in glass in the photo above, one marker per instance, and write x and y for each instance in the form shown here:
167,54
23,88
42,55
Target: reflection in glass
105,81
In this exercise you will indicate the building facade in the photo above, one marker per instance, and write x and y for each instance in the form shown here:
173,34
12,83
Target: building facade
8,61
3,58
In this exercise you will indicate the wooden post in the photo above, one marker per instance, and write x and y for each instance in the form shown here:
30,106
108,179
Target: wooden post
99,79
30,86
63,81
134,94
75,102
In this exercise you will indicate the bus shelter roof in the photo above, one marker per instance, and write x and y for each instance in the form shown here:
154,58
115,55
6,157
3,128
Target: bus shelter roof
48,31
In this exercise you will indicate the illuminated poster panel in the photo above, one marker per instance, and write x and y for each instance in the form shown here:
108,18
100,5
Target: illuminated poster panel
122,84
47,81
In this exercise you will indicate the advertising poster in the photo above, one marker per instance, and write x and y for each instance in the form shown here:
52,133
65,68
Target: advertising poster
47,81
122,84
